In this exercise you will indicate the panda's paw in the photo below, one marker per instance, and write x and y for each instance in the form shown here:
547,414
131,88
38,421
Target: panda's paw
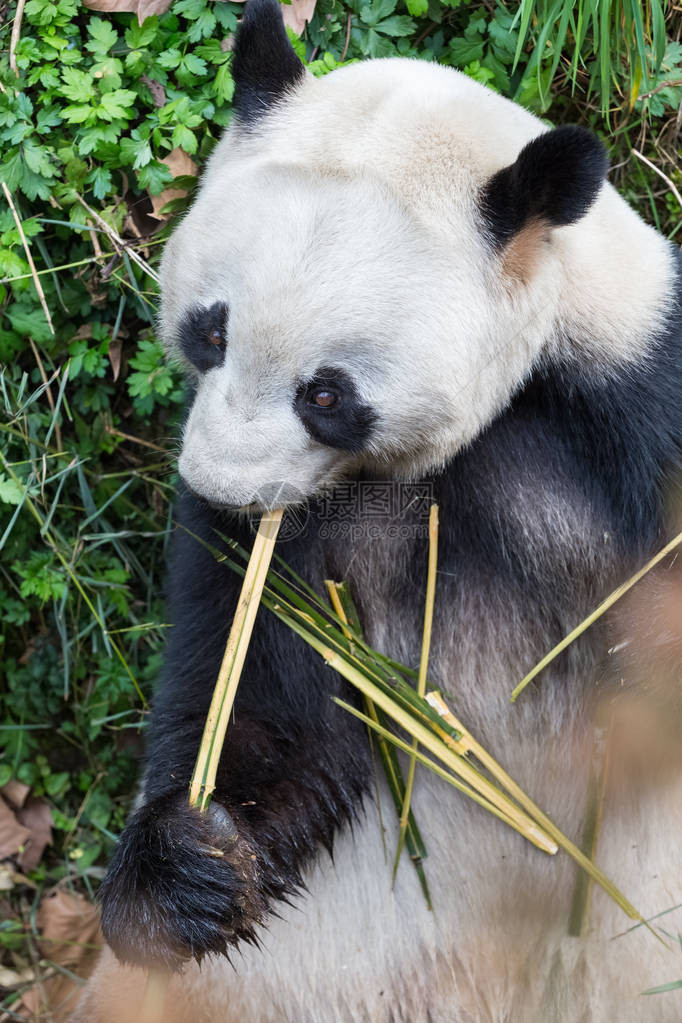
181,884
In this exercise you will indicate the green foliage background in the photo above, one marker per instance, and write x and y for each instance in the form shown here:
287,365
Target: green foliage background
86,463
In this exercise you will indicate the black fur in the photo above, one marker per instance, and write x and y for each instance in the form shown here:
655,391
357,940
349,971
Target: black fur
194,336
264,65
347,424
295,767
555,180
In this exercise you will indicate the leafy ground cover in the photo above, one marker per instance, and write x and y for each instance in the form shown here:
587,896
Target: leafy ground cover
104,123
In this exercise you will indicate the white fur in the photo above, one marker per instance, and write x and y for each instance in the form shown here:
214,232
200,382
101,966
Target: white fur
496,949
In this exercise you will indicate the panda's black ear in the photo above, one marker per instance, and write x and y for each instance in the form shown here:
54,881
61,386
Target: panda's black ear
264,65
553,182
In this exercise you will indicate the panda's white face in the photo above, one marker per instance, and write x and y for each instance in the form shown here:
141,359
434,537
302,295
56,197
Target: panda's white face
338,294
331,312
322,313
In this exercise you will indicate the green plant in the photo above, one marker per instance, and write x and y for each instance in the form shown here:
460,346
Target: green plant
608,44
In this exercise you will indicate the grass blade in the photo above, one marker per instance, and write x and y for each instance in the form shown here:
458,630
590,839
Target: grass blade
597,613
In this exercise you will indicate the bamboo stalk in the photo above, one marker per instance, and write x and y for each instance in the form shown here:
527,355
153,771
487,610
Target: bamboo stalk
380,680
208,758
154,998
522,822
530,821
423,667
597,613
345,609
579,920
536,813
431,764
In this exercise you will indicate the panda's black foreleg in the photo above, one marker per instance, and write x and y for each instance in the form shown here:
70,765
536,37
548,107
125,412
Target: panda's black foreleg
183,884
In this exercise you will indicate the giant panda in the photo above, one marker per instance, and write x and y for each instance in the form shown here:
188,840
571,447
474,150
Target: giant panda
394,275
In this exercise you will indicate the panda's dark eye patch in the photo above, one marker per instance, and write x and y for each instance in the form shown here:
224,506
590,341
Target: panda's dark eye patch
332,412
202,335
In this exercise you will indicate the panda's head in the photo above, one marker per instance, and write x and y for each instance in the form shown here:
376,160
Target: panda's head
369,270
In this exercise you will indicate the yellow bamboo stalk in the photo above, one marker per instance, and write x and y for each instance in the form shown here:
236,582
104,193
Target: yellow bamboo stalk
597,613
152,1009
341,612
521,821
384,733
338,606
208,758
332,590
534,811
579,920
423,667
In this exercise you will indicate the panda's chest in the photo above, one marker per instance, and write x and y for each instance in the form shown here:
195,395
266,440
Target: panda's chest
375,539
500,560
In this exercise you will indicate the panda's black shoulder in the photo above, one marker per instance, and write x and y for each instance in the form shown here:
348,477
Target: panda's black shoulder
620,427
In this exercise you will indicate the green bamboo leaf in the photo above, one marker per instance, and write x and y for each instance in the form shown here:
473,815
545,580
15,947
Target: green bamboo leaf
658,33
604,56
526,12
560,38
541,46
674,985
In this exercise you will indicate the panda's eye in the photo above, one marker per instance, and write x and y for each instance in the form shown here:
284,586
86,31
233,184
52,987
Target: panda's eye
332,411
202,335
323,398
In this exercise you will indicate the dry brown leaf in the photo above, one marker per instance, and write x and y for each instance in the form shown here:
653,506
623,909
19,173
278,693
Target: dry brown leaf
157,90
147,8
115,348
297,13
143,8
7,876
37,817
180,164
69,936
15,792
69,927
13,835
13,978
108,6
31,648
